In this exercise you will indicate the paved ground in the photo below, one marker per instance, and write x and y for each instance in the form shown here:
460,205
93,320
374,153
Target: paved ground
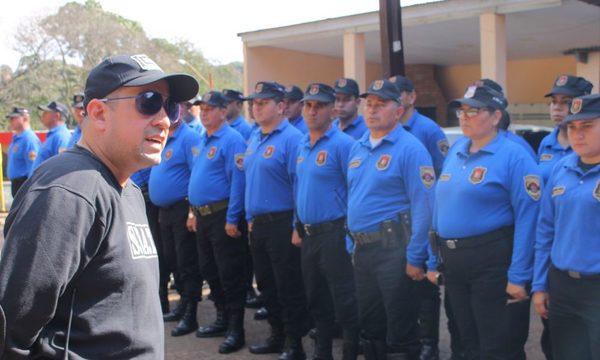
189,347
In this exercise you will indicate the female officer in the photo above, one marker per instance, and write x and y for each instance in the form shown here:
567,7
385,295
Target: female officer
555,146
486,205
567,249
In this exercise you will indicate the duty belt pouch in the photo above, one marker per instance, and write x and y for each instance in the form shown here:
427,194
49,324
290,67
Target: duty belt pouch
389,234
405,227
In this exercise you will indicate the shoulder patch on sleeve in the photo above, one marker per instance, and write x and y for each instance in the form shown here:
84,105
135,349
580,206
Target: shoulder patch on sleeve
443,146
532,186
239,161
596,192
32,155
427,176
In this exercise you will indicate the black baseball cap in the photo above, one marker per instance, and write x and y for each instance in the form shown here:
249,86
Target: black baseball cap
584,108
135,70
267,90
55,106
346,86
214,98
489,83
17,111
403,83
570,86
233,95
78,100
384,89
481,96
294,93
319,92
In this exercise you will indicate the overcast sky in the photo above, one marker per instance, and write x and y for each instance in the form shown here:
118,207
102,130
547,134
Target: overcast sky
212,26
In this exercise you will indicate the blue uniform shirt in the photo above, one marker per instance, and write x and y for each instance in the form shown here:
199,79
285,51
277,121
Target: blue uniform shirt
169,180
356,129
568,229
394,177
270,167
497,186
550,152
22,152
241,126
299,124
519,140
321,190
431,135
196,125
218,172
75,136
57,141
141,177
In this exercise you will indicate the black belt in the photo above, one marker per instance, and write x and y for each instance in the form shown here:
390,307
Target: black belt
176,204
577,275
270,217
364,238
474,241
320,228
210,209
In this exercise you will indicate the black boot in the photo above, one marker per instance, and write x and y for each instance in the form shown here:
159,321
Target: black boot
350,347
216,329
374,349
273,344
261,314
294,350
323,345
253,300
429,350
188,323
235,338
177,313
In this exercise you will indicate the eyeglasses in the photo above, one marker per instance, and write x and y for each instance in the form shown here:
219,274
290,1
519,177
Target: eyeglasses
472,112
150,102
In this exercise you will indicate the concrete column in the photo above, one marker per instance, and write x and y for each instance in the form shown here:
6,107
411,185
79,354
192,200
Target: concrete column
591,70
355,64
492,39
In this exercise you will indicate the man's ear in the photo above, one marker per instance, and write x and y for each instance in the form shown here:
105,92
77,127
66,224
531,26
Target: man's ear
96,114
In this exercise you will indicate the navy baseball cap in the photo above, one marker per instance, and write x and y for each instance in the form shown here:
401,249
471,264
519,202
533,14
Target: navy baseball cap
16,112
570,86
584,108
319,92
384,89
78,100
403,83
195,101
233,95
346,86
293,93
55,106
481,96
214,98
267,90
135,70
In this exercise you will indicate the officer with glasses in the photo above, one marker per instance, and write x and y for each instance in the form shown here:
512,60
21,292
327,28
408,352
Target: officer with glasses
81,280
486,205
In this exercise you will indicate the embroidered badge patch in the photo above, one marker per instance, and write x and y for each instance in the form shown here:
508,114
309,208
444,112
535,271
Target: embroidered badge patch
576,105
562,80
596,192
211,152
427,176
377,85
269,151
314,89
321,158
443,146
239,161
532,186
195,151
546,157
32,155
354,163
445,177
299,159
168,154
470,92
341,83
558,190
477,175
258,88
383,162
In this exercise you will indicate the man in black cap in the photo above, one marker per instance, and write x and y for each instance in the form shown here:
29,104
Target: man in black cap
54,116
390,183
81,281
347,102
77,111
190,114
321,194
235,102
293,107
23,149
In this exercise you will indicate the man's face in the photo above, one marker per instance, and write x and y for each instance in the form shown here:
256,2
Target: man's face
233,109
17,123
77,114
381,115
559,107
318,115
346,106
407,99
132,140
212,117
49,119
293,108
185,111
266,111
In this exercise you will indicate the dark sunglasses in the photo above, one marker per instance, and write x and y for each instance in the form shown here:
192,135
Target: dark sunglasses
150,102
